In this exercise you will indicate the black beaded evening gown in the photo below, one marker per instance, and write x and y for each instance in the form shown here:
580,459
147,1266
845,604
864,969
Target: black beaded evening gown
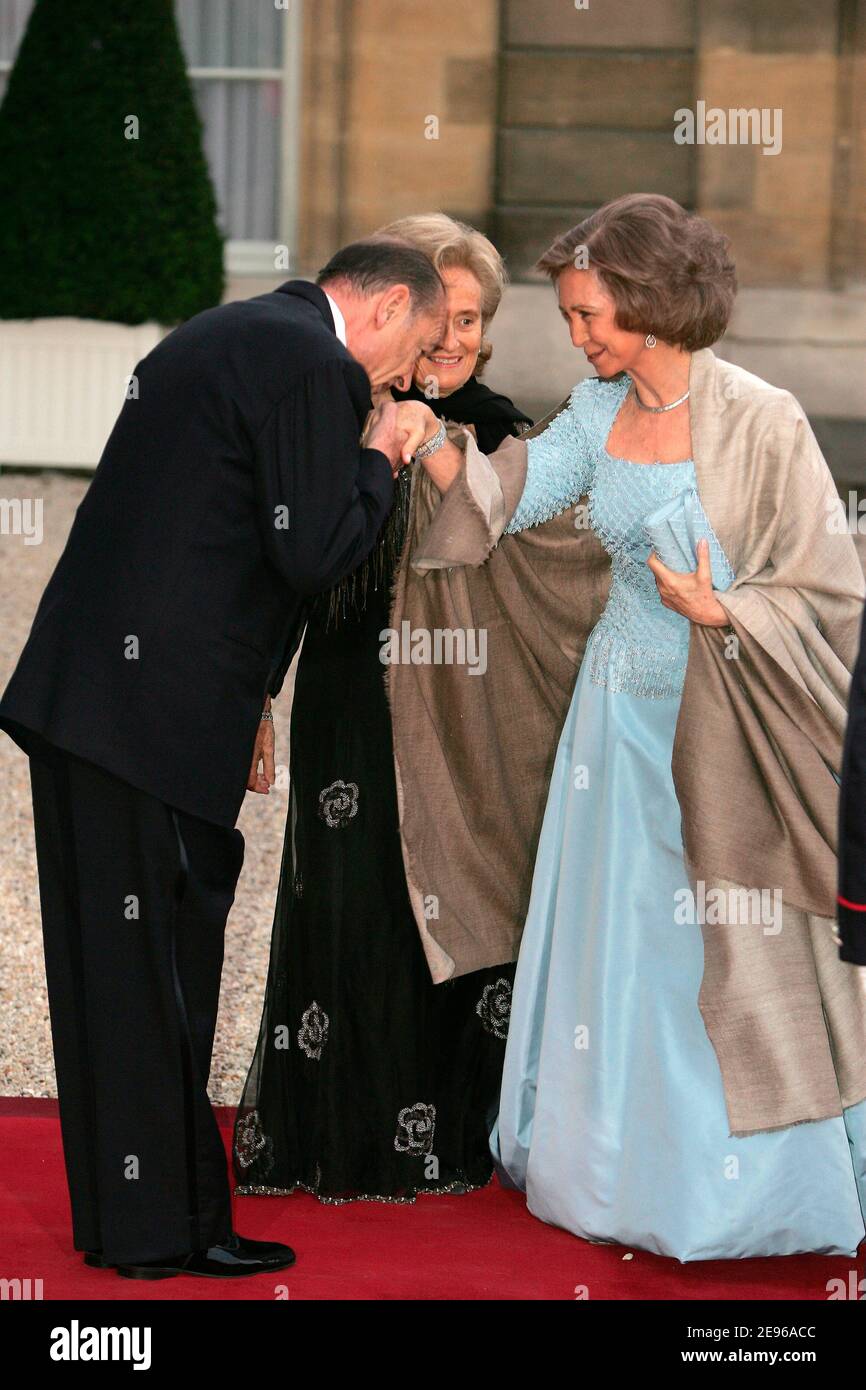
368,1081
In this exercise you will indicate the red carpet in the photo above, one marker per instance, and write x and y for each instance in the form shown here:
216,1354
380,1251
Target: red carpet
481,1246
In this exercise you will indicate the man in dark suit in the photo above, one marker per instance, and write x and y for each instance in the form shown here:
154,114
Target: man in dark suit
851,910
232,485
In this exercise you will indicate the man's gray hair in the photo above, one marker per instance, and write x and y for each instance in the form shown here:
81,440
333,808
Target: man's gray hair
377,263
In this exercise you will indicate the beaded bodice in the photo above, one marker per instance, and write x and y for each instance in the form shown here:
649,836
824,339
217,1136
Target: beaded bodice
637,645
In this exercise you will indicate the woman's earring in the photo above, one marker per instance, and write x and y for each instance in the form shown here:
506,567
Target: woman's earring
650,340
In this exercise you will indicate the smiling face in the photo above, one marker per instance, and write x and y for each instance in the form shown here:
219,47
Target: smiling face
589,310
455,357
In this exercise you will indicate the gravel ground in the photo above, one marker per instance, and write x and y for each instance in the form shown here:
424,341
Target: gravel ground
26,1064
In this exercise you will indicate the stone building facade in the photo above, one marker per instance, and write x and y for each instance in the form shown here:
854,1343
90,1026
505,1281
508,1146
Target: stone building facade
522,115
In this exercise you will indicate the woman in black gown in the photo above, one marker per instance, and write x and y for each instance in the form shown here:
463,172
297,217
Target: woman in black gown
368,1080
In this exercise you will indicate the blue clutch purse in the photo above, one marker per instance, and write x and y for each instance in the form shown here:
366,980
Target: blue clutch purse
674,529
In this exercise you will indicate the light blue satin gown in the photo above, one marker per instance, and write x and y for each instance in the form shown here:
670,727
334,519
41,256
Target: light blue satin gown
612,1115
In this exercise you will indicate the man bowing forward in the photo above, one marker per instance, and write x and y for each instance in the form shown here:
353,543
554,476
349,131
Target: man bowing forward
232,485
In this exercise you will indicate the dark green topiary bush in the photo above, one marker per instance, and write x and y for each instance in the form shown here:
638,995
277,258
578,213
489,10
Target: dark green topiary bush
93,224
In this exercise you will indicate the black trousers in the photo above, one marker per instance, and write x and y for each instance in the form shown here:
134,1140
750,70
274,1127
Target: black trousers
135,897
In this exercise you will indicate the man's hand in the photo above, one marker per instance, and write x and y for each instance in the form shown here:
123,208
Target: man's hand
384,434
263,772
418,423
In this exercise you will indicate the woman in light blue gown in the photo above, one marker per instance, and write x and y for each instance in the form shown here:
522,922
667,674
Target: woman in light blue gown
613,1113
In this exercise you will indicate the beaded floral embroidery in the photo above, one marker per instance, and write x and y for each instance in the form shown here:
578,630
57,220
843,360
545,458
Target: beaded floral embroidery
416,1125
313,1032
338,803
494,1008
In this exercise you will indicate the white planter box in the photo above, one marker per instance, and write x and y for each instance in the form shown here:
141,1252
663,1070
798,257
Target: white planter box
62,384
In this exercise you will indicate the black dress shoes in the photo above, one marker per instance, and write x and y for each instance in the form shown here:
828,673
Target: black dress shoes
96,1261
234,1258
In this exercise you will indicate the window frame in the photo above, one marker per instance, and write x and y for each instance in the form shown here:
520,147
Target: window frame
243,256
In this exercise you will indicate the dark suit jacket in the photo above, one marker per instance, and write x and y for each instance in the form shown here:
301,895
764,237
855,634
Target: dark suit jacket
231,488
852,821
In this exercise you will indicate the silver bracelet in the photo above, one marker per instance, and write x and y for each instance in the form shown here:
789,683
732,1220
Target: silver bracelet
266,714
432,444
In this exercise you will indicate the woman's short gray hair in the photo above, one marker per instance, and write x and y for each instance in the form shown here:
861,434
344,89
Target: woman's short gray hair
453,245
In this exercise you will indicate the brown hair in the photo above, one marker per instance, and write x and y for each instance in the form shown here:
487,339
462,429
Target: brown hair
453,245
668,271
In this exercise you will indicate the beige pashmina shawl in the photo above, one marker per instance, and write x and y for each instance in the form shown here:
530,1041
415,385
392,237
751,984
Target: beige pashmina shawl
757,743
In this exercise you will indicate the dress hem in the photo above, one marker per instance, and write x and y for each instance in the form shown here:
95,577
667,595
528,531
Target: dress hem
451,1189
